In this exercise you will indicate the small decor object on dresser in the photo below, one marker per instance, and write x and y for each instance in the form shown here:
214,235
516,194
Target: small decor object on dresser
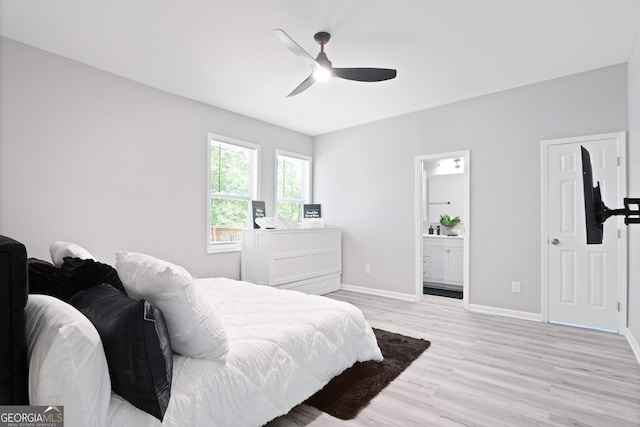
258,209
312,211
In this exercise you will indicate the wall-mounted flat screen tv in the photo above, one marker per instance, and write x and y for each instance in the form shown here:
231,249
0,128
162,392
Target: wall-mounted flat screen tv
595,211
593,206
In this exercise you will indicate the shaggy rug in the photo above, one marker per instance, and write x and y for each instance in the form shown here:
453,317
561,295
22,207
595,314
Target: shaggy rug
349,392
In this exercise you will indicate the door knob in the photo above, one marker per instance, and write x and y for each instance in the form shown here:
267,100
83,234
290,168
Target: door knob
555,241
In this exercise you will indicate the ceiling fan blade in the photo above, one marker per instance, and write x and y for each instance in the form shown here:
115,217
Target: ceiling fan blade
303,86
365,74
295,48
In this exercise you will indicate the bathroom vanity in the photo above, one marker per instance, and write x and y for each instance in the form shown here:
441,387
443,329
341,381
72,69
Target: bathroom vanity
443,260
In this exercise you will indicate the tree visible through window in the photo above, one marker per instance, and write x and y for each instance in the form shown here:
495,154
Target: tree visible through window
293,184
232,186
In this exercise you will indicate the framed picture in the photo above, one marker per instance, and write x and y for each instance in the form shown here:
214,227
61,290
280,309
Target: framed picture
311,211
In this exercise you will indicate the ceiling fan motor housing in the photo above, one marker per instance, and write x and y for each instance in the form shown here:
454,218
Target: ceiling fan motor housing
322,37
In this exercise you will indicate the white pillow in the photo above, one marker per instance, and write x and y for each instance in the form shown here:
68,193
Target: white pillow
193,329
60,250
67,365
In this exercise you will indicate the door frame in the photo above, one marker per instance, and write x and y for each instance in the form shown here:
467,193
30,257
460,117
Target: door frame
621,142
466,156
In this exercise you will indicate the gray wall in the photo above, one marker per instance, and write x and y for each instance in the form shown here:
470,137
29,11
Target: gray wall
364,178
634,191
92,158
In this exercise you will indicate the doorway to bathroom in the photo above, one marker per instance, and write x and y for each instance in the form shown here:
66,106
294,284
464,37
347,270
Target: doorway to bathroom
442,227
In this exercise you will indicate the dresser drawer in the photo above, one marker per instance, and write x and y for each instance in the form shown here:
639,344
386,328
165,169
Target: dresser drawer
317,286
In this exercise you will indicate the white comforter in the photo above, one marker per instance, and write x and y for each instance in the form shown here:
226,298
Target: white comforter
284,347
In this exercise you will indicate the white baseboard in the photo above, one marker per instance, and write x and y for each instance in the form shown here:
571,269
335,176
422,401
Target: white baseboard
379,292
505,312
633,343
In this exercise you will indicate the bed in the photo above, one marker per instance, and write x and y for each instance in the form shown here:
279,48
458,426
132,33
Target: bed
280,347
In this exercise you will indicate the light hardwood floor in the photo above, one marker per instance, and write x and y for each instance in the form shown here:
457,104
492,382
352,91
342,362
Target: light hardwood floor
484,370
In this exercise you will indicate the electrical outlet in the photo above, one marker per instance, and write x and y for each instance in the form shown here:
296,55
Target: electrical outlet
367,269
515,287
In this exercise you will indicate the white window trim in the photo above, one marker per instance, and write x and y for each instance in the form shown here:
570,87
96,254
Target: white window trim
255,182
307,192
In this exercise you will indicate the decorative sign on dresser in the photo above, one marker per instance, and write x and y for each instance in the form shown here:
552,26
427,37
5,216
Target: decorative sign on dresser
312,211
307,260
258,208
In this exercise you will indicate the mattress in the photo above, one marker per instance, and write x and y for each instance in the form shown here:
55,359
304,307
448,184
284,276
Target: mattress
284,347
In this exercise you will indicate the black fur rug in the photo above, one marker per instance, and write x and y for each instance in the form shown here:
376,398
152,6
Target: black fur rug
349,392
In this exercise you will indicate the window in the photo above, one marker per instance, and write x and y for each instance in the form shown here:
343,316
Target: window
233,172
293,184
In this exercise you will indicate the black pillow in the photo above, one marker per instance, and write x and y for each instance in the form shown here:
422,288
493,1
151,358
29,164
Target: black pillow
136,342
87,273
47,279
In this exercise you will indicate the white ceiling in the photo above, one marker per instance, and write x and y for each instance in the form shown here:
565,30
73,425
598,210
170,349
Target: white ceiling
225,53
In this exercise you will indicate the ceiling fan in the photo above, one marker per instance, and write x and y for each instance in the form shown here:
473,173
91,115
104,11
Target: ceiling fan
321,68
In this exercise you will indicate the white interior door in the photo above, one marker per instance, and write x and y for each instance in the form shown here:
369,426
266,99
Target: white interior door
583,280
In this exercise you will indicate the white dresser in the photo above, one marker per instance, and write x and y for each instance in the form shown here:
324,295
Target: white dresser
443,259
307,260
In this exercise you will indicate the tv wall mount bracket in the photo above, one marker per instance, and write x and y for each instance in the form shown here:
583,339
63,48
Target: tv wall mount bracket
631,211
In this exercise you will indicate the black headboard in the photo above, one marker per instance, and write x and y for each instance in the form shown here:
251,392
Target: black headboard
14,289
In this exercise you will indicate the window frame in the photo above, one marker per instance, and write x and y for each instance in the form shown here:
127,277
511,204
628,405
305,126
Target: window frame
254,189
306,190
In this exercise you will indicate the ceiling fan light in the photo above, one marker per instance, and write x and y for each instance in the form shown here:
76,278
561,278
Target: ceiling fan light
321,74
